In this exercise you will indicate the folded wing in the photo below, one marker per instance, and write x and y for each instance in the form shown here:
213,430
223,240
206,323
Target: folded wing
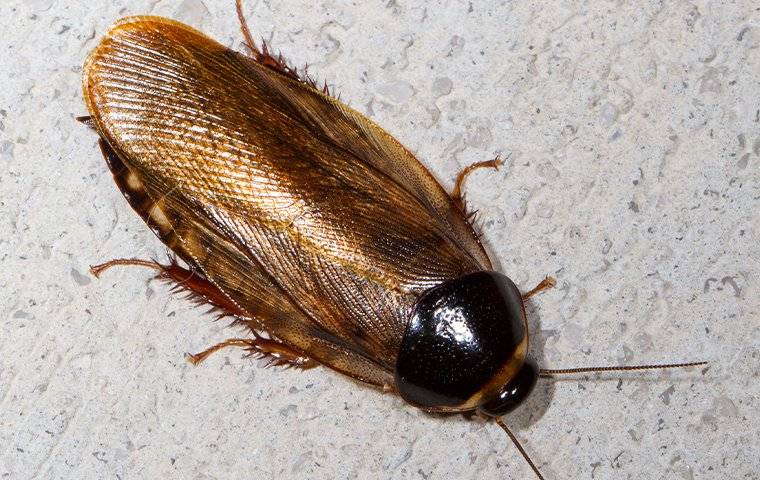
280,191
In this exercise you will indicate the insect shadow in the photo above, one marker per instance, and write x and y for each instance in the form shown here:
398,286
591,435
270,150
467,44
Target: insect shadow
535,406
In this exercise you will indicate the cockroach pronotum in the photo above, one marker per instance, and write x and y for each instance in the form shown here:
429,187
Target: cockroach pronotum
307,224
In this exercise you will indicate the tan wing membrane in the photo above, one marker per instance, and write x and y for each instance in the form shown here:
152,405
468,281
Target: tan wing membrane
299,209
258,303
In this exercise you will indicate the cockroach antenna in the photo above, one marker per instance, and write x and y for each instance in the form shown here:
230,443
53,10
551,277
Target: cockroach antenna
512,437
548,373
544,372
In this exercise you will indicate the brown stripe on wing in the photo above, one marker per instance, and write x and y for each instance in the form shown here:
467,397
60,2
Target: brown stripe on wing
236,277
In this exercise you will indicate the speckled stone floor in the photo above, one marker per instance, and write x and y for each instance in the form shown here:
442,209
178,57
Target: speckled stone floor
632,133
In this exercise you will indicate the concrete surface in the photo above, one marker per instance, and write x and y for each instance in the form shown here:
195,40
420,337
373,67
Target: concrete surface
633,135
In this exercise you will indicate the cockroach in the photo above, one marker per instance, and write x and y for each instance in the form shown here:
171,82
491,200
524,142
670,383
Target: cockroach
307,223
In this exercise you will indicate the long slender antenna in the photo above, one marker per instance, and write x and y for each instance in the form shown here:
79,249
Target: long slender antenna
545,372
512,437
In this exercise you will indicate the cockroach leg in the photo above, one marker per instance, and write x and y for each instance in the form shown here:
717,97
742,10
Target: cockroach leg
196,358
546,283
246,31
202,291
262,55
278,353
457,194
275,352
192,281
275,62
97,270
87,120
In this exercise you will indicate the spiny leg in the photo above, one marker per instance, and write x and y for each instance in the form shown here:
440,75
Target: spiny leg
203,291
544,284
262,55
87,120
276,352
456,194
246,31
191,281
275,62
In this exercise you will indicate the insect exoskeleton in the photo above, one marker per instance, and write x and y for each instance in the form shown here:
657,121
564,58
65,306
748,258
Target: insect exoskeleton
465,347
305,222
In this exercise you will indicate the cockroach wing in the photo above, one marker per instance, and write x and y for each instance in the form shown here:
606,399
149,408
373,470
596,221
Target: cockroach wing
302,211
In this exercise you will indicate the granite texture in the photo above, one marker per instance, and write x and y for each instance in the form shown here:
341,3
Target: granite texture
632,137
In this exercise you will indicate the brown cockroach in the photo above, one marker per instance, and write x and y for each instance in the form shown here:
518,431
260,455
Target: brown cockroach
307,223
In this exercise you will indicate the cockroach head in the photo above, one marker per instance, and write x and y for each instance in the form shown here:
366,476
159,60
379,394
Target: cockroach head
465,347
